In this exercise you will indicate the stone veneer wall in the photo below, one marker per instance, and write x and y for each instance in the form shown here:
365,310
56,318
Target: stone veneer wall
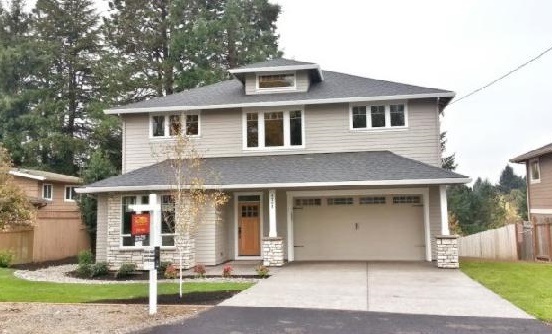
273,252
447,251
115,255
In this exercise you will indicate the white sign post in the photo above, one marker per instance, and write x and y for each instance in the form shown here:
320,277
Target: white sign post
155,241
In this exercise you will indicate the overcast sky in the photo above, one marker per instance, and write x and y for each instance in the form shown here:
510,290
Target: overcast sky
457,45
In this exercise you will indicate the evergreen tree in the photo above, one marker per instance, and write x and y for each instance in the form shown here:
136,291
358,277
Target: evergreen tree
447,162
509,180
68,36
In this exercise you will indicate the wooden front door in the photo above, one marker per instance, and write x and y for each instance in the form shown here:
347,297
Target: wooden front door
249,229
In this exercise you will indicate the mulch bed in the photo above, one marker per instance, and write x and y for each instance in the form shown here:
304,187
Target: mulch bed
192,298
144,276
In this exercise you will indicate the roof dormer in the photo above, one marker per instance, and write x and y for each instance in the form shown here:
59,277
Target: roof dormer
278,76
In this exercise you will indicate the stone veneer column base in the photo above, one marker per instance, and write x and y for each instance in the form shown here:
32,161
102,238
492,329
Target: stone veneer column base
273,252
447,251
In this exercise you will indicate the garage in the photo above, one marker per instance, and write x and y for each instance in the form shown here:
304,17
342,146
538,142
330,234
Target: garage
386,227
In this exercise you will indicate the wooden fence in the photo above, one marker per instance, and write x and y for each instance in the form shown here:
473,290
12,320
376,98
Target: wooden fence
50,239
498,244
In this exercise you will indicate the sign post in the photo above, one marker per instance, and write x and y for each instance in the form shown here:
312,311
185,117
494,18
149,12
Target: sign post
152,253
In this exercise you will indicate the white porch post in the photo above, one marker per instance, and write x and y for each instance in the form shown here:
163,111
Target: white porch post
272,231
427,228
444,210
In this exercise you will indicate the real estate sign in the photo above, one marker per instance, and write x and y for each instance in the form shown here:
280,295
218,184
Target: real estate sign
140,224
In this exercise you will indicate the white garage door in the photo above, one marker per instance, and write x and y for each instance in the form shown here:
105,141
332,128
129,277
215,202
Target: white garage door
359,228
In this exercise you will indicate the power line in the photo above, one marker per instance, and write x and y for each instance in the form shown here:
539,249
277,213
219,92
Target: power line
504,76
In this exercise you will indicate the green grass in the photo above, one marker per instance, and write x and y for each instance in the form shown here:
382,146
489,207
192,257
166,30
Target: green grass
526,285
13,289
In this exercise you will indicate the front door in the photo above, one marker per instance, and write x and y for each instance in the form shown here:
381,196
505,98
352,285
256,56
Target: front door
249,229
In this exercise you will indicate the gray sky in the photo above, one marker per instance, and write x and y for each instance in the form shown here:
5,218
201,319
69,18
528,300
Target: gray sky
458,45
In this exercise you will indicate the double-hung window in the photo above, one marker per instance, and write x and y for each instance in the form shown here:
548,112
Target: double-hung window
47,192
379,116
166,126
273,129
168,223
70,194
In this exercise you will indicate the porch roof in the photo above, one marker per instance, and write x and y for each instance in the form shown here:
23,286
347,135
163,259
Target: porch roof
371,168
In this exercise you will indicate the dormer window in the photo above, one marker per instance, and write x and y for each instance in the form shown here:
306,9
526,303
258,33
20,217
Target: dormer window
166,126
276,81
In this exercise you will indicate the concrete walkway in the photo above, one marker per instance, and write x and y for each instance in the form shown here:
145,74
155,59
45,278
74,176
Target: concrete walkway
411,288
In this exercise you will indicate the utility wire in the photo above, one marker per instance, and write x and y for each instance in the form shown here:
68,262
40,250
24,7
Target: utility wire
504,76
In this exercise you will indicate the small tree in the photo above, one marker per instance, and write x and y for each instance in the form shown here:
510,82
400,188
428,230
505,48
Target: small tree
15,207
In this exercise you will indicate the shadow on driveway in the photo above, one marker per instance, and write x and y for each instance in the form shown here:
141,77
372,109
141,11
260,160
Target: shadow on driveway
246,320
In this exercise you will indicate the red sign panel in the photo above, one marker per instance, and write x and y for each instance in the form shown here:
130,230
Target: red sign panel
140,224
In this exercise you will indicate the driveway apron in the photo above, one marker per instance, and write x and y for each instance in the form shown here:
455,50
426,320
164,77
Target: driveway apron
395,287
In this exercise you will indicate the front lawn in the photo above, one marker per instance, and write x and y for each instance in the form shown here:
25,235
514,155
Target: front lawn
526,285
13,289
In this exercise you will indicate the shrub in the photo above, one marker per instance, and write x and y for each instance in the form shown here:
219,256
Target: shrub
227,271
99,269
6,258
86,257
125,270
199,270
164,265
170,272
84,270
262,271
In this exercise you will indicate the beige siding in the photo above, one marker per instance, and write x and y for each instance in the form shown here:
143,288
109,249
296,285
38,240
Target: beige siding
326,130
101,229
205,241
230,228
29,186
221,246
302,83
541,193
434,218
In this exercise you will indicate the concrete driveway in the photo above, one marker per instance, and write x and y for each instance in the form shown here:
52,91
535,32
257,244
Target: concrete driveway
409,287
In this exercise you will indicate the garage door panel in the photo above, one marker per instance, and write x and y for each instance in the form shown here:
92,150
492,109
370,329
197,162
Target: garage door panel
359,232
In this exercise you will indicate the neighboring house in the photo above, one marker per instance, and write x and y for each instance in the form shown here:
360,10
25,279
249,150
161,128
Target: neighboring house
538,165
58,231
319,165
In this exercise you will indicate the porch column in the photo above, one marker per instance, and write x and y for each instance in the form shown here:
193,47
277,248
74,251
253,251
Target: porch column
444,210
273,246
272,231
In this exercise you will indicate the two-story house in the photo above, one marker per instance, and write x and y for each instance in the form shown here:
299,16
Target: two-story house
319,165
538,164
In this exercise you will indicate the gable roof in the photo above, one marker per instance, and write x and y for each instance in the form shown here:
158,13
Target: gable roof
533,154
40,175
277,62
336,88
295,170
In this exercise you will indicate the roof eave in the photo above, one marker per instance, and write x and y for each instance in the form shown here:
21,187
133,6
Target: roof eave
407,182
116,111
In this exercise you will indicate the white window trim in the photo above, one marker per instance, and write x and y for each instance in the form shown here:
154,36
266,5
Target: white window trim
261,133
236,225
533,181
166,124
388,126
65,199
51,191
121,235
276,89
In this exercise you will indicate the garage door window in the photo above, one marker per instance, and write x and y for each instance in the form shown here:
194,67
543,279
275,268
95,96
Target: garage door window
340,201
372,200
308,202
407,200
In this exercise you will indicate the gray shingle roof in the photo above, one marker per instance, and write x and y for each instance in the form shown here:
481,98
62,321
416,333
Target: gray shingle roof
292,169
335,85
533,154
274,63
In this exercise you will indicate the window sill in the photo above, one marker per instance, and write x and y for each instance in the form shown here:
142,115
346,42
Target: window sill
274,148
392,129
172,138
133,248
535,181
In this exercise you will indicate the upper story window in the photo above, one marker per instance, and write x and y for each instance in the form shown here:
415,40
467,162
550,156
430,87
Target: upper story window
378,116
70,194
276,81
534,170
164,126
273,129
48,191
